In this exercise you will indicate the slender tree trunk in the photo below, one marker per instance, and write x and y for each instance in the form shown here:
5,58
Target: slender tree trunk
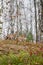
35,18
41,24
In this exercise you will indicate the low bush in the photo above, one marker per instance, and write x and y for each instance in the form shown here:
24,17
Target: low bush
29,37
3,60
23,58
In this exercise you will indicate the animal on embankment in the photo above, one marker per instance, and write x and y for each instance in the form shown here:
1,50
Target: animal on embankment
11,36
14,37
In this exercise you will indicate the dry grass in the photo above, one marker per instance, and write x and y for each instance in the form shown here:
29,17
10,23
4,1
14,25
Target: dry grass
7,46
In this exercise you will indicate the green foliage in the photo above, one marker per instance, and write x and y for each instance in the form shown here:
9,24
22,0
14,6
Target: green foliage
36,60
14,60
29,37
3,60
23,58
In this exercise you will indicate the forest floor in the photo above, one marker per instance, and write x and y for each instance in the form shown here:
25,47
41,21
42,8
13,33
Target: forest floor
7,46
20,53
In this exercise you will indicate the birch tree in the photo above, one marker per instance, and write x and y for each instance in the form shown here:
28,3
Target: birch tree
35,18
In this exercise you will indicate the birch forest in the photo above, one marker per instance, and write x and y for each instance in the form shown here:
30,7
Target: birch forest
21,32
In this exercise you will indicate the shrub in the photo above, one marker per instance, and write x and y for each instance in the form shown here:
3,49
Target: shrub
23,58
3,60
36,60
14,60
29,37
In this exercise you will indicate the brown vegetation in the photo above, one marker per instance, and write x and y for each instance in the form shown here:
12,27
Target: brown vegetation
11,45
